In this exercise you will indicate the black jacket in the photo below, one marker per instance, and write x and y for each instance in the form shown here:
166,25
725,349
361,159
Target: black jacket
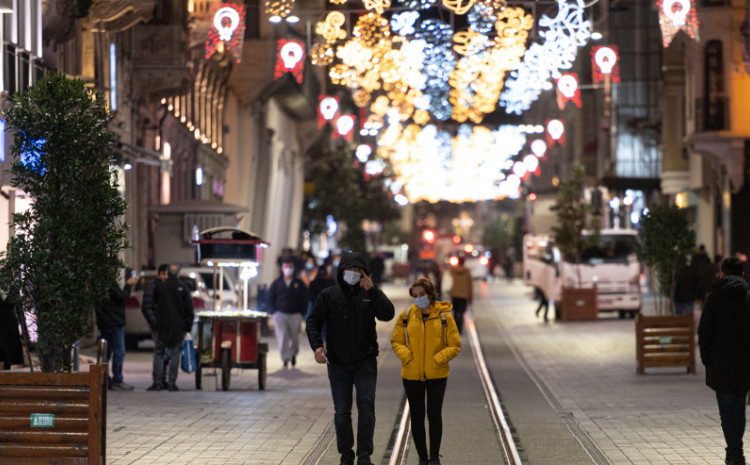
111,313
290,300
349,313
174,310
724,336
147,307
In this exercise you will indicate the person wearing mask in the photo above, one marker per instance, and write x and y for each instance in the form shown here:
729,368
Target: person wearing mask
461,292
349,311
425,339
147,306
308,271
174,319
110,319
287,298
724,342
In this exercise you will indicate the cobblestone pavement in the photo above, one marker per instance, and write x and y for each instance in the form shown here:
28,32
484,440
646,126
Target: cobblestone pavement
585,371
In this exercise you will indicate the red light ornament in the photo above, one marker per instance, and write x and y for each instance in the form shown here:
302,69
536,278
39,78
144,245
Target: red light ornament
227,31
328,109
555,132
567,90
605,62
675,15
290,58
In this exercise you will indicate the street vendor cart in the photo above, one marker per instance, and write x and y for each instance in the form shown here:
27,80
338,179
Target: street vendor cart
234,343
230,338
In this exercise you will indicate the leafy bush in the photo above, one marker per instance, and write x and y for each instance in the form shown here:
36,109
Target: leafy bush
65,251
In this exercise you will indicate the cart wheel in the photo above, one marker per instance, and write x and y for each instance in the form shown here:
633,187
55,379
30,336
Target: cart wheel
261,372
198,376
226,369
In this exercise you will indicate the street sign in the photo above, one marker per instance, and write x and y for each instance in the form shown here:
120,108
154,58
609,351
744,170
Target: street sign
42,420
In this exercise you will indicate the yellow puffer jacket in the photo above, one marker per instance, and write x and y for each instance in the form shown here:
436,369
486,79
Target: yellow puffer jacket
426,356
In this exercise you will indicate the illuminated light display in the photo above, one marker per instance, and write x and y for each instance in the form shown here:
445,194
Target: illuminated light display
555,132
459,7
567,90
227,31
378,5
482,17
531,162
539,148
403,23
675,15
279,8
344,127
605,61
321,54
328,109
330,28
290,58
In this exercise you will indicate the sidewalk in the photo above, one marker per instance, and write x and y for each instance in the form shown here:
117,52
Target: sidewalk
587,371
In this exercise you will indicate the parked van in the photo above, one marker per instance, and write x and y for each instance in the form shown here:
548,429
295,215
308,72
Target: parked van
611,265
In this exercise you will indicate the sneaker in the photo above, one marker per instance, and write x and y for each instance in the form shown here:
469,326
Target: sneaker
423,462
285,363
155,387
435,461
364,461
172,388
121,387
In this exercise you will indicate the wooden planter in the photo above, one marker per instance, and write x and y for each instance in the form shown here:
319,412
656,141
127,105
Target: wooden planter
53,418
579,304
665,341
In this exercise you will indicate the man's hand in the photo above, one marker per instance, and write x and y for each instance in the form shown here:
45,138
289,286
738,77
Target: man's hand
366,282
132,280
320,355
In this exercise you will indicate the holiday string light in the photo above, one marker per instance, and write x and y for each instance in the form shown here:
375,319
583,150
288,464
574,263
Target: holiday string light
227,30
676,15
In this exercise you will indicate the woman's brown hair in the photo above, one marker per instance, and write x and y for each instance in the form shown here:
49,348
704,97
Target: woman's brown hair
428,287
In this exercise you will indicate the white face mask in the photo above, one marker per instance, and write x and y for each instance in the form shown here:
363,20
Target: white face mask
288,272
351,277
422,302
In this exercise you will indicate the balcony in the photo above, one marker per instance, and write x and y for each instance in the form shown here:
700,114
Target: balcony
160,60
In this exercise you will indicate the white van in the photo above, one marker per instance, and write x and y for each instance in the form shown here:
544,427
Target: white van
611,265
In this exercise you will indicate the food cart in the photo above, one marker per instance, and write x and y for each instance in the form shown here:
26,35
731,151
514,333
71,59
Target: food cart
230,338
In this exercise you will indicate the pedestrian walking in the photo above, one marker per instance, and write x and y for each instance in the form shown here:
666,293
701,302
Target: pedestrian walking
426,338
510,263
686,288
174,319
349,310
377,267
11,349
724,341
110,319
148,308
461,292
288,303
543,302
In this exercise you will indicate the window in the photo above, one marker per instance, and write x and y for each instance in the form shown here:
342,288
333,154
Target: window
714,106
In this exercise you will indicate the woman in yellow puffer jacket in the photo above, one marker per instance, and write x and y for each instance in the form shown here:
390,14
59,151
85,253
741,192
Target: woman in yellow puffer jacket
426,339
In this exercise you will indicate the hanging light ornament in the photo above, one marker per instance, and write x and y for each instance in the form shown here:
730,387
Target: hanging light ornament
279,8
482,17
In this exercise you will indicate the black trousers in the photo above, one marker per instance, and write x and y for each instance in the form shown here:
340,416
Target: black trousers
433,390
459,307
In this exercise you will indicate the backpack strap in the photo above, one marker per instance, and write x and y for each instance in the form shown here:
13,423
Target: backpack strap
405,322
445,329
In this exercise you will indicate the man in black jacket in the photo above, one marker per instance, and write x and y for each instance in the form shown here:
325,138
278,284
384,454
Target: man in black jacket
110,319
174,318
724,340
349,311
287,298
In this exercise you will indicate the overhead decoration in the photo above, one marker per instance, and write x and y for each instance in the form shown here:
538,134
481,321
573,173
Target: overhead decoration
279,8
676,15
227,31
567,90
605,62
344,127
328,109
290,58
555,132
424,89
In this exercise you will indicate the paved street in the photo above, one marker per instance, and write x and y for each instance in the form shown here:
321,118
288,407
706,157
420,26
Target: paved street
570,390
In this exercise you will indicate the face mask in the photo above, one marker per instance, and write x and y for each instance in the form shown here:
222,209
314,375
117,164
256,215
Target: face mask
351,277
422,302
309,266
336,263
288,272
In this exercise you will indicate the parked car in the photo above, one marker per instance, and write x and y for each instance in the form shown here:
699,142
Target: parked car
199,280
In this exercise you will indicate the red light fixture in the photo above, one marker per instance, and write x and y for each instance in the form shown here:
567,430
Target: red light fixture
456,239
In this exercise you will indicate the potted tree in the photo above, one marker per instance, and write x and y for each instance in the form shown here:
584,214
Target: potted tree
577,228
64,253
665,339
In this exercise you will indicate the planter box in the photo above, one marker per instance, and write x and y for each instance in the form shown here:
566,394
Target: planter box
579,304
53,418
665,341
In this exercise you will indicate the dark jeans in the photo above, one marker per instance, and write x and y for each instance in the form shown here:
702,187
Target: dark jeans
459,307
732,413
363,377
115,338
435,392
162,353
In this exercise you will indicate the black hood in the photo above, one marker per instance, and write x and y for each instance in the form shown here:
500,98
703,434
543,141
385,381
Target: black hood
351,259
730,286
